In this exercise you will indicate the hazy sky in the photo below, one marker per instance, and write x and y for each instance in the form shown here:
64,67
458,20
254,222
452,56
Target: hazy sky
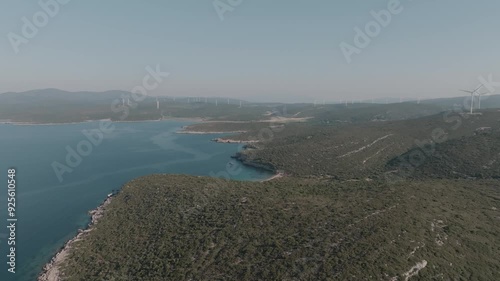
285,50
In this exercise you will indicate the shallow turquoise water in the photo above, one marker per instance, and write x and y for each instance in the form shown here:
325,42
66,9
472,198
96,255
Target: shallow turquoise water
50,212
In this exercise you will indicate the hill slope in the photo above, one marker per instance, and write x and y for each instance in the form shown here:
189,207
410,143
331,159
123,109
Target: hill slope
195,228
357,151
476,156
57,106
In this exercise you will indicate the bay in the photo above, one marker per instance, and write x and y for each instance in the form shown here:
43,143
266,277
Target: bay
50,211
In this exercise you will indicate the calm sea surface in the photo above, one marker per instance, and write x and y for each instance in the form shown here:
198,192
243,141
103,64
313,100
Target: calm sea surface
50,212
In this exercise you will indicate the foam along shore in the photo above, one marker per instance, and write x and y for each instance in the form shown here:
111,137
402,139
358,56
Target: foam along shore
208,133
222,140
52,270
276,176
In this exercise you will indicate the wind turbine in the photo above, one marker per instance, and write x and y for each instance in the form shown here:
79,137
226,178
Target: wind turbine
479,99
472,96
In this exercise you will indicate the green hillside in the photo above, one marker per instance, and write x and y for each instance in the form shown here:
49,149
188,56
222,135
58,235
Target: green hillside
357,151
476,156
345,209
196,228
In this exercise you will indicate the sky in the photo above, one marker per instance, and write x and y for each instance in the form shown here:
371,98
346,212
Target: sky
279,50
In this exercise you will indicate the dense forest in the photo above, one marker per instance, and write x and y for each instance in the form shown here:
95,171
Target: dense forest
170,227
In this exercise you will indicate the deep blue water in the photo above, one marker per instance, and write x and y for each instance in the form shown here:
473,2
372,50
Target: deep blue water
50,212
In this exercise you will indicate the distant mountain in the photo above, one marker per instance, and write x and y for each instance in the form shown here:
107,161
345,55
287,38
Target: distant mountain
58,106
54,105
56,95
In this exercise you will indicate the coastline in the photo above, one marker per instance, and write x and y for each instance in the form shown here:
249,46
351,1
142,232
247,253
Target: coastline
52,271
276,176
223,140
18,123
187,119
208,132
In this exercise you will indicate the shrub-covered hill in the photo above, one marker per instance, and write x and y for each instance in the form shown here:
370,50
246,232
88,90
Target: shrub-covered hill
357,151
476,156
355,113
194,228
56,106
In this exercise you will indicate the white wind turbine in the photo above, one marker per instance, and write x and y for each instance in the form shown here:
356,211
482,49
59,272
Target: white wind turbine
472,93
479,99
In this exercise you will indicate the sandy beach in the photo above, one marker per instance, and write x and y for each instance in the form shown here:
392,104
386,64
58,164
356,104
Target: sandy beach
277,176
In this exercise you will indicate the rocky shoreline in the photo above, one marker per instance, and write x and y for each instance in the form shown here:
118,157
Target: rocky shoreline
51,271
187,132
223,140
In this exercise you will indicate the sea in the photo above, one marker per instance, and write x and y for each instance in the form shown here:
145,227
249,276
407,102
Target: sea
64,171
